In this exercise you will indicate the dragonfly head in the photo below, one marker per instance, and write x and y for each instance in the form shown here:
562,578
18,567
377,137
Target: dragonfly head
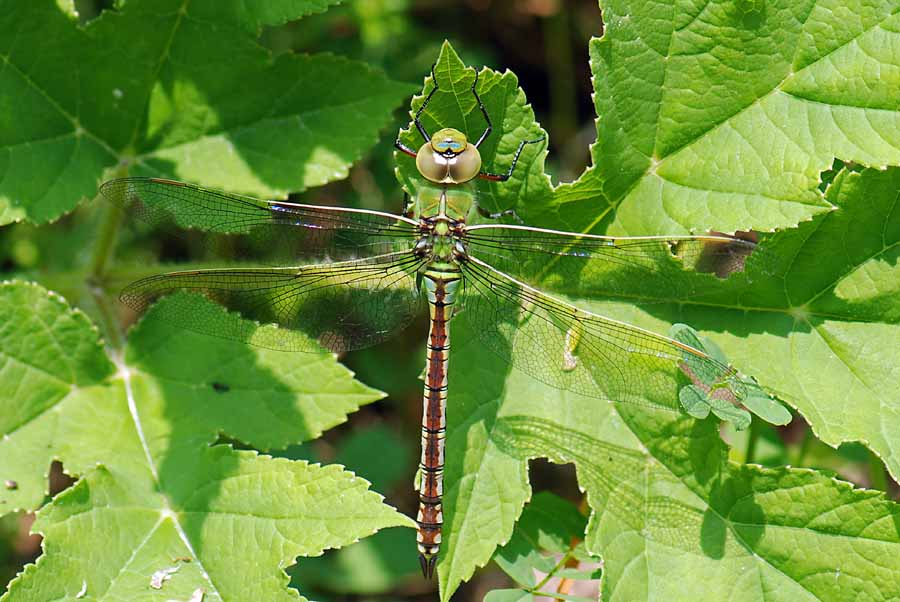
449,142
448,158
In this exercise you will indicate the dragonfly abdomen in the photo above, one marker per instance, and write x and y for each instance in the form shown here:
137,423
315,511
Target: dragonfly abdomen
440,286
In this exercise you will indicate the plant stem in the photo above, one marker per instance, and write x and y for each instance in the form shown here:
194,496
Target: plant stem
800,458
752,439
549,576
103,249
99,265
109,322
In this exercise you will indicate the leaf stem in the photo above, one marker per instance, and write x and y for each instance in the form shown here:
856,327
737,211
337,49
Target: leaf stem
549,576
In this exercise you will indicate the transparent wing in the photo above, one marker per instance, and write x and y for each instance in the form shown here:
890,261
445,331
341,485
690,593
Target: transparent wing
285,230
566,261
342,306
575,350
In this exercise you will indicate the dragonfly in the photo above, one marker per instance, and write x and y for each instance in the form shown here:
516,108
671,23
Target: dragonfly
443,251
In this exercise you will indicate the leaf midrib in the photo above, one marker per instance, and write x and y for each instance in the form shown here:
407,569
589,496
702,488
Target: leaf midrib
163,58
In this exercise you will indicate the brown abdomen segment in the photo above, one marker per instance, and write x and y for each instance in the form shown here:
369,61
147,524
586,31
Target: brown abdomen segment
431,488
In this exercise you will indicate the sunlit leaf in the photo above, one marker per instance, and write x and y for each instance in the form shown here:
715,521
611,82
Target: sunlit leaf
154,491
721,116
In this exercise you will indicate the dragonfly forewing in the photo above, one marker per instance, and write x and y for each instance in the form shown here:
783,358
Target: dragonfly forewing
627,267
280,231
341,306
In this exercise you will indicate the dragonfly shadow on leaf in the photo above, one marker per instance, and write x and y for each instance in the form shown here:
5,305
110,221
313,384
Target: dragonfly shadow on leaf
629,488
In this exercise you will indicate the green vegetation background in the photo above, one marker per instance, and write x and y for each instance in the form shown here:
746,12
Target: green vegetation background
544,42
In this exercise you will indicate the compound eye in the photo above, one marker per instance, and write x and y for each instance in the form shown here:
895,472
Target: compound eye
430,164
466,165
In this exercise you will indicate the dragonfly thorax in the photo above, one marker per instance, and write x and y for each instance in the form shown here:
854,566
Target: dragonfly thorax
448,158
441,240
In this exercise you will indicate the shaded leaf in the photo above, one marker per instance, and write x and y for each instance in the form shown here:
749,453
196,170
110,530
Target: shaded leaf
174,89
549,524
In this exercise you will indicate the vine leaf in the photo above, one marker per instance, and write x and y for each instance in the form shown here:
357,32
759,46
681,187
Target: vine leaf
173,89
721,116
156,499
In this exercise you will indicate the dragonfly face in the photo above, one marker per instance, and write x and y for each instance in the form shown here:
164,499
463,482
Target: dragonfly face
448,158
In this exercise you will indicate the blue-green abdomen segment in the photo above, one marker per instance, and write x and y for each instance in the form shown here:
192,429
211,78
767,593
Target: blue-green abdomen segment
440,286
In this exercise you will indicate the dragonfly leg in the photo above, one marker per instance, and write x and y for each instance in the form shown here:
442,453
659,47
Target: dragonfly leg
490,126
397,143
499,214
502,177
418,123
404,149
407,204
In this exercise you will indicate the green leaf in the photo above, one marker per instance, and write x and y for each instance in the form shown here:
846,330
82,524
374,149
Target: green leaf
721,116
508,595
153,489
694,401
824,334
174,89
821,330
666,501
454,105
699,398
378,563
258,14
727,412
548,524
766,408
